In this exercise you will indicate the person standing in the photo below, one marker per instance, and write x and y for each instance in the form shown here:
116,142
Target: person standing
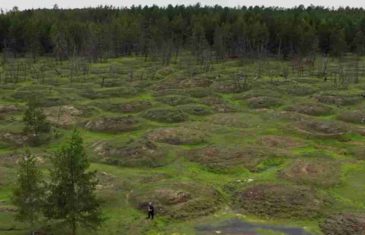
151,211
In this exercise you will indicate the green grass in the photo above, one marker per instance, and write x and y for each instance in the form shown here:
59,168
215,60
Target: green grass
240,129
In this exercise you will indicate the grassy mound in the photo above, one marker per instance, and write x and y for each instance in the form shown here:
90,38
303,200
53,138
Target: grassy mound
175,100
223,159
322,128
281,201
229,120
177,136
344,224
228,86
134,106
165,115
195,109
8,109
339,100
134,154
218,104
311,109
298,89
319,172
113,124
63,116
357,117
279,142
14,139
263,102
182,200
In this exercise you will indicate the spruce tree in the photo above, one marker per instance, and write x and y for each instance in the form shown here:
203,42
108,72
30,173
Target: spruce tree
35,122
72,188
29,192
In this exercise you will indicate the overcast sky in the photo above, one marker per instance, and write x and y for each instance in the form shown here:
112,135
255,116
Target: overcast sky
26,4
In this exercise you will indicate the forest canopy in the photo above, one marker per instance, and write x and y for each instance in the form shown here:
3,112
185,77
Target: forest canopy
155,31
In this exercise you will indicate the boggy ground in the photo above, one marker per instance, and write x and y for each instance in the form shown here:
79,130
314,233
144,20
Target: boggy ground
273,154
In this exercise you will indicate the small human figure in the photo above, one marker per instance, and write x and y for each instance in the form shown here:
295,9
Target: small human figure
151,211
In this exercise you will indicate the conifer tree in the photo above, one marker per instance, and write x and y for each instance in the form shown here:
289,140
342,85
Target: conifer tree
28,195
72,188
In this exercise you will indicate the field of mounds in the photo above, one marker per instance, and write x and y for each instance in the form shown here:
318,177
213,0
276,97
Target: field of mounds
357,117
223,159
132,153
177,200
320,172
178,135
166,115
312,109
203,144
280,201
261,102
344,224
326,129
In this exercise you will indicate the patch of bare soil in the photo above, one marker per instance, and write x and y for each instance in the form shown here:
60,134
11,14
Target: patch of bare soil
218,104
328,129
344,224
177,136
263,102
229,120
178,200
131,106
134,153
63,116
273,141
14,139
280,201
220,159
321,172
357,117
8,109
339,100
312,109
175,100
113,124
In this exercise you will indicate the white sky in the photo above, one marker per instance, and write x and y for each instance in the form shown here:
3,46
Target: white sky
27,4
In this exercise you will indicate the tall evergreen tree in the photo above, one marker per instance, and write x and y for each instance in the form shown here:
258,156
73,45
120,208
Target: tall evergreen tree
72,189
28,194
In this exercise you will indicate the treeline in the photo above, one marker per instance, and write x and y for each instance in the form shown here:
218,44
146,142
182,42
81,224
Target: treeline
217,32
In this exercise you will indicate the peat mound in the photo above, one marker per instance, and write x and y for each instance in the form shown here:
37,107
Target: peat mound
63,116
328,129
175,100
177,136
261,102
344,224
113,124
166,115
195,109
357,117
311,109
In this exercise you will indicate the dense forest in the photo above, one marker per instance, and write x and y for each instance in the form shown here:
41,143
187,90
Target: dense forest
214,32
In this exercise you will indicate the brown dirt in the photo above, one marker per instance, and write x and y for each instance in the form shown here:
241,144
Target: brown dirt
273,141
357,117
15,139
8,109
321,172
344,224
328,129
63,116
113,124
263,102
311,109
280,201
177,136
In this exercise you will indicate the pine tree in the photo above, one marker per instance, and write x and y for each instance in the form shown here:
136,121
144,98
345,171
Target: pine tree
72,188
35,122
29,192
